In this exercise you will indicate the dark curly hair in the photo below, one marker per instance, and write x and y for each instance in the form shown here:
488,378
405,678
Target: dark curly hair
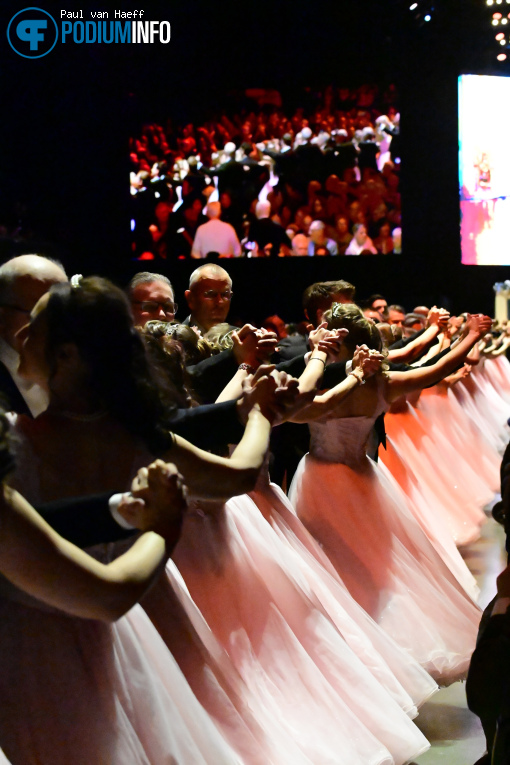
96,317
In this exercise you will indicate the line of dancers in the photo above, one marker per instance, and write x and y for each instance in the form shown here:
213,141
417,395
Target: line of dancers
241,625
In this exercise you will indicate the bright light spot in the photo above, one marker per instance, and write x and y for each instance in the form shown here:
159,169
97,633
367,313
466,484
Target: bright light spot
504,21
495,22
502,42
133,224
490,2
501,57
427,17
415,5
500,36
498,2
497,15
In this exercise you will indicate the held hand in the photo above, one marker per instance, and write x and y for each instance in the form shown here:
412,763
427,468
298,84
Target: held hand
257,391
438,316
372,364
158,500
253,346
477,324
316,335
245,345
288,399
332,342
361,353
266,345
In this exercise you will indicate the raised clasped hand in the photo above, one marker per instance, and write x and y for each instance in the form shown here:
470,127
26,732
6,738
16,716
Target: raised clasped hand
157,501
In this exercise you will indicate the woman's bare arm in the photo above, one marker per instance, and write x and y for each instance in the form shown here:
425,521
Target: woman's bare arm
40,562
402,383
218,478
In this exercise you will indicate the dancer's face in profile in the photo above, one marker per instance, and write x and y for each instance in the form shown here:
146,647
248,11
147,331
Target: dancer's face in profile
32,338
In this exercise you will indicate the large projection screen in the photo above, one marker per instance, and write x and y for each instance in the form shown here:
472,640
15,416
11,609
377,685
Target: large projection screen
484,169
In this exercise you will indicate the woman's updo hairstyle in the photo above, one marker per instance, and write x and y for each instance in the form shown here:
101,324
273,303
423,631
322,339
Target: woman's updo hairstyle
194,346
361,330
219,338
95,315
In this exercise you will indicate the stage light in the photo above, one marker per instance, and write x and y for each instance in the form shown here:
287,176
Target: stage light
502,42
504,21
490,2
497,15
427,17
498,2
415,5
500,36
495,22
501,57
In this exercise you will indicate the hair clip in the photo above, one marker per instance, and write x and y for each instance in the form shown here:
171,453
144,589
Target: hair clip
75,281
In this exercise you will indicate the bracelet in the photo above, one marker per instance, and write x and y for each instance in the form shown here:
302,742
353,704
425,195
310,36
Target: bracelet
247,367
361,380
314,358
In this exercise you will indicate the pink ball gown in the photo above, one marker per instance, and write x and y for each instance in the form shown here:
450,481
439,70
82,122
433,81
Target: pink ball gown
82,691
259,596
359,515
459,493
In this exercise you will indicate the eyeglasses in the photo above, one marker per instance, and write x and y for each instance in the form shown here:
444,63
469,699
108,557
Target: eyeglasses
213,294
16,308
152,306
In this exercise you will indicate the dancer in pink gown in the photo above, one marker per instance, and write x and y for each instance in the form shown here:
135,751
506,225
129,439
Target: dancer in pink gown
360,516
130,700
258,595
36,559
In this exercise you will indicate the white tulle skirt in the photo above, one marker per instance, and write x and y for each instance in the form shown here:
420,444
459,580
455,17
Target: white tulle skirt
361,519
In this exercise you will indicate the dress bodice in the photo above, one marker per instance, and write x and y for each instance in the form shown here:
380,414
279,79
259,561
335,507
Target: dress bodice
345,439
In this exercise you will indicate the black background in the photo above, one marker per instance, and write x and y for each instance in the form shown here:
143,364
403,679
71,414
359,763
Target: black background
66,119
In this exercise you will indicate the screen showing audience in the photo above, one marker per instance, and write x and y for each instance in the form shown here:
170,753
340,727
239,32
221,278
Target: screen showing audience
267,178
484,169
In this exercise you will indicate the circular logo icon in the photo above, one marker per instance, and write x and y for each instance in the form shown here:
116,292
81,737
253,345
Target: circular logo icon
32,33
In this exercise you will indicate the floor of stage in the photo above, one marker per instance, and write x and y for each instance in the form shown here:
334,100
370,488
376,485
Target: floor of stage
455,734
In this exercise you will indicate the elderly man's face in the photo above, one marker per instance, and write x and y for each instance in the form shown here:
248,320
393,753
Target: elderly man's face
153,300
15,312
209,300
300,245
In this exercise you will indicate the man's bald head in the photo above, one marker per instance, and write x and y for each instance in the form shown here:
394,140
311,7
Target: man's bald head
208,271
23,280
209,295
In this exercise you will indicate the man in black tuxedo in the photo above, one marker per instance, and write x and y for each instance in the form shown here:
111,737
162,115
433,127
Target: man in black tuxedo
23,280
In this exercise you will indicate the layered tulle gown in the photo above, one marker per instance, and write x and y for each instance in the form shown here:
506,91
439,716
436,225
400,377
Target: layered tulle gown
285,621
361,518
85,692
